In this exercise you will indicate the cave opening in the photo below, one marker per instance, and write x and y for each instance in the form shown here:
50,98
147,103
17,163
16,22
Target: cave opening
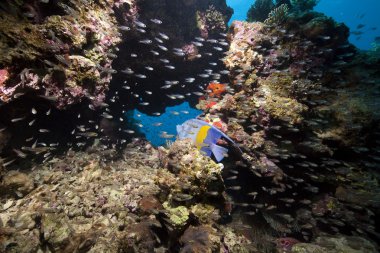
162,74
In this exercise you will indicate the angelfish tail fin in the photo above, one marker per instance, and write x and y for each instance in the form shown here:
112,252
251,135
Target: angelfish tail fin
218,151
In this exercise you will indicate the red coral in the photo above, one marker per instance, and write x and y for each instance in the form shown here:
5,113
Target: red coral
210,104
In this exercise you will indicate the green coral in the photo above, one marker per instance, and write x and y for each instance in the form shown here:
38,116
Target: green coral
278,15
285,109
203,212
178,216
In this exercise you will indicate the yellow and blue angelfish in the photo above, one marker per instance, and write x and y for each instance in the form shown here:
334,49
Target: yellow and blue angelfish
204,136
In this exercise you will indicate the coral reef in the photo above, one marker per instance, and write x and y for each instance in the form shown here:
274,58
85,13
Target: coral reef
63,53
260,10
299,102
302,112
210,20
78,202
277,15
109,201
349,244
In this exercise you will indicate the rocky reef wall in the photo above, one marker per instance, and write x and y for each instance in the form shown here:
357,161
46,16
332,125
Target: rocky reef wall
86,58
305,114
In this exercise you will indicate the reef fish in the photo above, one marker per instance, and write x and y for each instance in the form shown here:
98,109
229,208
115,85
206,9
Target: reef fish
204,136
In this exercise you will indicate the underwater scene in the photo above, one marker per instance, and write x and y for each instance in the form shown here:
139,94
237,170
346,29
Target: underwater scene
189,126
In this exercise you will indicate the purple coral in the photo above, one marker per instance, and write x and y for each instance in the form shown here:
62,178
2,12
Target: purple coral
191,51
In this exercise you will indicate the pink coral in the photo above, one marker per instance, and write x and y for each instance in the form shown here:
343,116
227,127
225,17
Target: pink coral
285,244
4,75
191,51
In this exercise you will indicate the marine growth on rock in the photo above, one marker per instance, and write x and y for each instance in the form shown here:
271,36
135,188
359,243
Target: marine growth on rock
297,101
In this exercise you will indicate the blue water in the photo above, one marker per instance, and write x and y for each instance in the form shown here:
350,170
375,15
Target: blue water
349,12
169,120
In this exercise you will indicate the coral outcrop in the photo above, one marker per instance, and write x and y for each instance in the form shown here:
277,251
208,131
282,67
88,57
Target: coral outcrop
304,115
58,50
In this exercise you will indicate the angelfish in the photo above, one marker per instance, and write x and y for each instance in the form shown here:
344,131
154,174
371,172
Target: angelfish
205,137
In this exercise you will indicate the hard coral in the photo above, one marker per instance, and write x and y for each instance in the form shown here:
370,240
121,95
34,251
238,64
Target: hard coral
278,15
210,21
191,175
81,32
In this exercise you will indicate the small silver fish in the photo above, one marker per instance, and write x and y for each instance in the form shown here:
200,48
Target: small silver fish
19,153
141,76
8,163
106,115
140,24
17,119
128,71
198,44
158,40
156,21
124,28
189,79
149,68
166,86
218,48
162,48
166,136
17,95
180,54
31,122
147,42
164,36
